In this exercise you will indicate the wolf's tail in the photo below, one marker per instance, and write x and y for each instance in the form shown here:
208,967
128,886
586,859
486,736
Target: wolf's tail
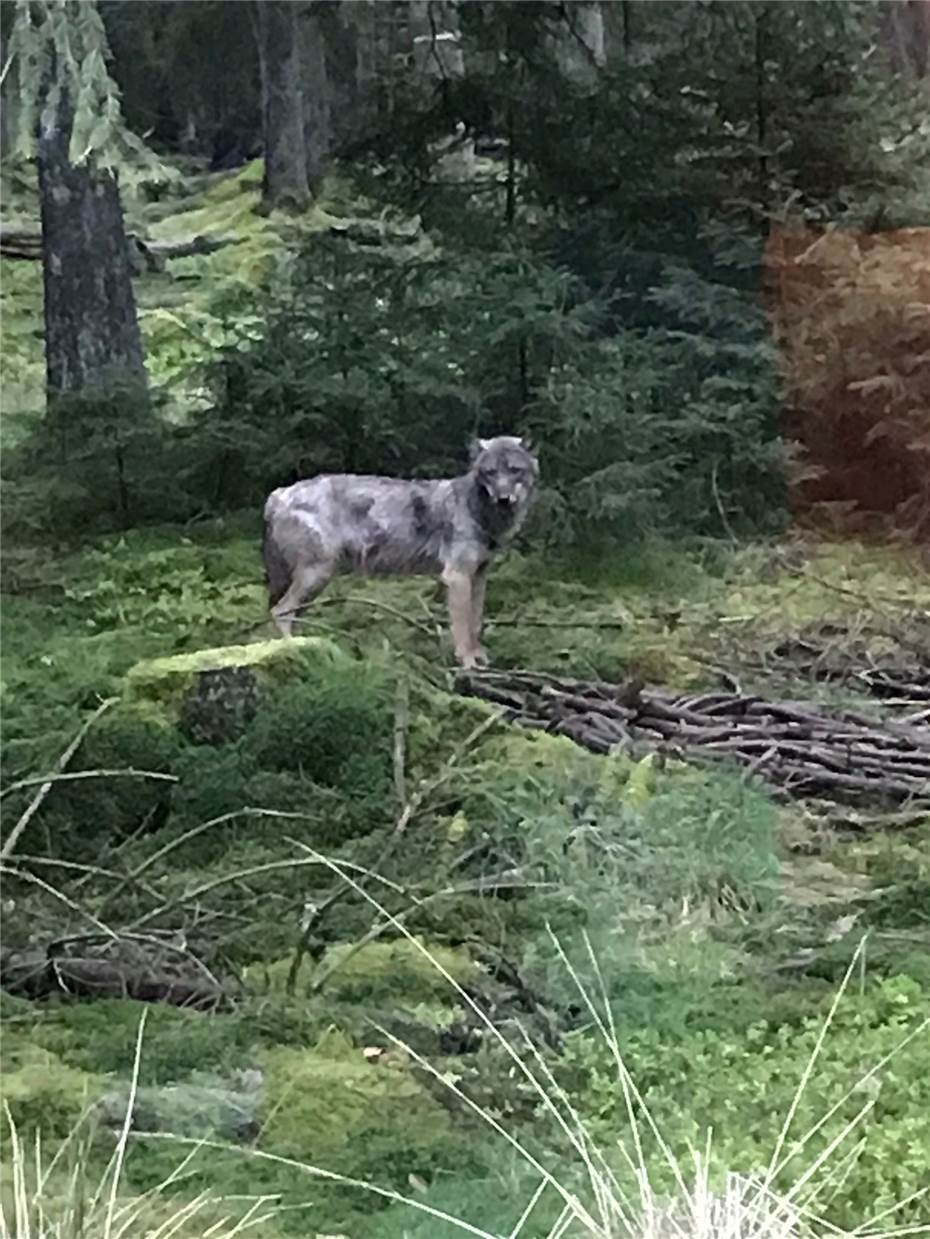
277,572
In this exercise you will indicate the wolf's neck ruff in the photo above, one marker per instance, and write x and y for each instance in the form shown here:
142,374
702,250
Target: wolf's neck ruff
495,519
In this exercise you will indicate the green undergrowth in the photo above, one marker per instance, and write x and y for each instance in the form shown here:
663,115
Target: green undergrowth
742,1087
721,923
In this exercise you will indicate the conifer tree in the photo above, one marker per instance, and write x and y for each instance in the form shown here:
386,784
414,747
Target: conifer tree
70,119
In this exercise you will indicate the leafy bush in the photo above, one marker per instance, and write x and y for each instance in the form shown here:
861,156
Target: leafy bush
742,1087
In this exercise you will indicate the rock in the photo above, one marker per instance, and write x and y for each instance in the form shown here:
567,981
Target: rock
213,694
204,1105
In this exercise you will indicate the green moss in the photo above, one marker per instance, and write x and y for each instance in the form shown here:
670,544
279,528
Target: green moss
166,680
393,973
330,1106
99,1036
107,809
42,1091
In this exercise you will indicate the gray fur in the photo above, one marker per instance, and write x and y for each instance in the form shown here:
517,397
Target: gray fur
452,528
277,573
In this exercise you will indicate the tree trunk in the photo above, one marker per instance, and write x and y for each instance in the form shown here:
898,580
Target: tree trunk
286,182
9,98
580,44
359,17
437,48
905,27
91,329
319,35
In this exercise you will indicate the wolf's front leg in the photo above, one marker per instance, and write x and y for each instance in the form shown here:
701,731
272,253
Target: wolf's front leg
459,593
478,588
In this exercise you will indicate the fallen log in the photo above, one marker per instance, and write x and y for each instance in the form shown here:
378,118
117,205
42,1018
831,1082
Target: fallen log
796,747
145,255
39,973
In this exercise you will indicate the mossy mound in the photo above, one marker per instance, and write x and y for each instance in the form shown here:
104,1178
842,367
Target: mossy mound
214,693
42,1091
326,1110
399,973
311,736
332,1107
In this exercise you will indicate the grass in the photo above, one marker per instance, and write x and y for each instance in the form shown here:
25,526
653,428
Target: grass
58,1195
586,1189
675,880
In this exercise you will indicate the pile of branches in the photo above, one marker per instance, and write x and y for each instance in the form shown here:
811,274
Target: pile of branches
794,746
902,683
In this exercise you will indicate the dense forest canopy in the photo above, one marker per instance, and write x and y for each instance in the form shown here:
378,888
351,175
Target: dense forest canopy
588,191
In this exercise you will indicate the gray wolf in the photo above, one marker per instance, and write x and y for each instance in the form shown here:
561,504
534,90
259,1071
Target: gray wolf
453,528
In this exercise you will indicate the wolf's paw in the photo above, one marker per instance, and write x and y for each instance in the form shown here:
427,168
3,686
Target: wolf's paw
473,660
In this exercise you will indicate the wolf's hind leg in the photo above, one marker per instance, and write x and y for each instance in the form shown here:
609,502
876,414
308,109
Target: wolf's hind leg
308,581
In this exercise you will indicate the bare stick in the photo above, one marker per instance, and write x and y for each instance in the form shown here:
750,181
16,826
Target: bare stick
270,867
129,773
409,810
135,874
721,510
89,871
24,876
401,722
34,804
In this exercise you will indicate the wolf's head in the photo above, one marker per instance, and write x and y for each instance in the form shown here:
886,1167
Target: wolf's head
505,471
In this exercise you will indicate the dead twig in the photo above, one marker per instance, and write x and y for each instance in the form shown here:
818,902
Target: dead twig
46,785
273,866
23,875
401,723
413,806
75,776
795,747
133,877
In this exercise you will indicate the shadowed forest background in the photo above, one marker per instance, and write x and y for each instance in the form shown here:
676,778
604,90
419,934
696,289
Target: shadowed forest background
684,245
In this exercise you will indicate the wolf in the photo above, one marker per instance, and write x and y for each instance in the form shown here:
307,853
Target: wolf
452,528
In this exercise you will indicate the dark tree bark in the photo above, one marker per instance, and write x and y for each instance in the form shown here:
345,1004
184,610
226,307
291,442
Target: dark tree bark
906,30
286,182
91,329
320,29
352,67
579,45
437,49
9,92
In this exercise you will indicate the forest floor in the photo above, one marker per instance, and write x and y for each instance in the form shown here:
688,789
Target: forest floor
365,1020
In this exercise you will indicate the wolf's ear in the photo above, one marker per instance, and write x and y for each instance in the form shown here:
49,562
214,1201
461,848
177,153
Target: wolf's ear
526,442
476,447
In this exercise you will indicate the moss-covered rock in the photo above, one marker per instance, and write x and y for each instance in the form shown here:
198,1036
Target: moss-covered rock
214,693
